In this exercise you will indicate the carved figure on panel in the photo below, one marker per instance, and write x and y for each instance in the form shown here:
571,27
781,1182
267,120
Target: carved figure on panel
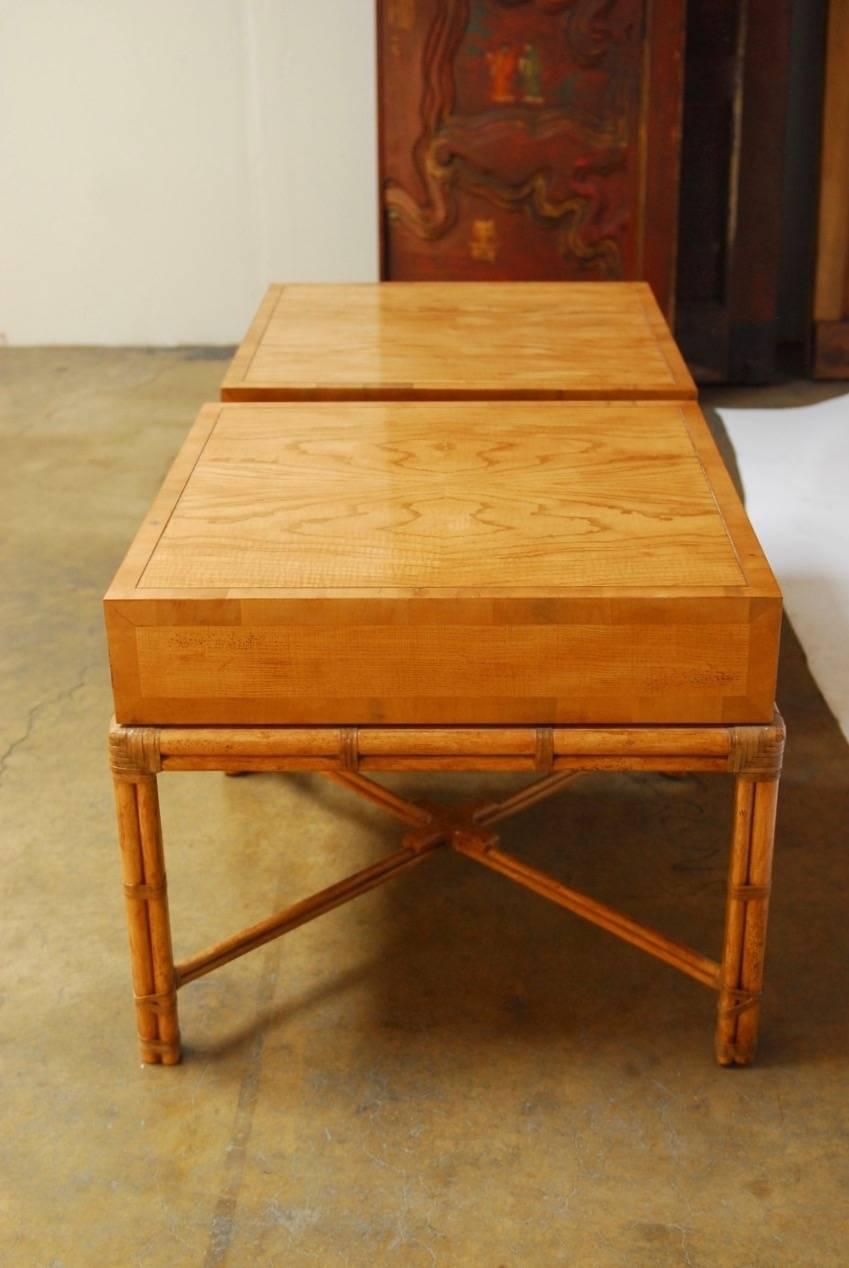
503,64
530,69
529,105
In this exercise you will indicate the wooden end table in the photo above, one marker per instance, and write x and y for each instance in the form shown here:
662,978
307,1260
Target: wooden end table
356,588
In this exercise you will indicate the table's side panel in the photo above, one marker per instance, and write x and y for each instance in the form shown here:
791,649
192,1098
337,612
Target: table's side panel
662,669
268,393
764,644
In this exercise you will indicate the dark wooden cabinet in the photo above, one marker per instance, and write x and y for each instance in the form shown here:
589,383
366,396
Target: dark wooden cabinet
831,300
530,139
735,109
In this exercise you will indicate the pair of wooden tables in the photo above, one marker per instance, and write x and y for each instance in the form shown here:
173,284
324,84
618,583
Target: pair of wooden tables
448,527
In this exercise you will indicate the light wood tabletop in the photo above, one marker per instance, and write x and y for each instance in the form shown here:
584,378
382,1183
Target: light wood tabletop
459,340
420,562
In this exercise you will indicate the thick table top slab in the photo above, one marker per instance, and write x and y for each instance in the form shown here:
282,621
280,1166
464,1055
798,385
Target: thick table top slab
434,563
459,340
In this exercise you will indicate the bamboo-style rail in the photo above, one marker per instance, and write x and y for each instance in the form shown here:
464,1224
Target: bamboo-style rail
298,914
745,750
557,754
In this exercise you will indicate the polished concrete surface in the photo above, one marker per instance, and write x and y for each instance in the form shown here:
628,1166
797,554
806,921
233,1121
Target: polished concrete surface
449,1071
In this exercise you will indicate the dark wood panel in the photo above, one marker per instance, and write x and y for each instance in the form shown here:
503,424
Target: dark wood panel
831,301
735,108
530,139
831,350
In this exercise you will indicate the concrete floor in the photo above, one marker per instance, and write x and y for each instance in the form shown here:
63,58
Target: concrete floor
447,1072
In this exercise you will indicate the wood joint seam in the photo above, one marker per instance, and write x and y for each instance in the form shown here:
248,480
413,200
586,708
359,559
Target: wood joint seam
349,752
544,754
749,893
161,1001
160,1045
144,891
742,1001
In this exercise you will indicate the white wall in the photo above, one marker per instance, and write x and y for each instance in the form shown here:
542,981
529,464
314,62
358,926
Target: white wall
162,160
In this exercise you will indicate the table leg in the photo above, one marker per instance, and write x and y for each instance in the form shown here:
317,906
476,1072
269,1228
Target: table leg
151,956
747,906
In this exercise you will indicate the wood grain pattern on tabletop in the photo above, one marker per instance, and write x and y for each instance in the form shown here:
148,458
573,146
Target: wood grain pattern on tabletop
453,340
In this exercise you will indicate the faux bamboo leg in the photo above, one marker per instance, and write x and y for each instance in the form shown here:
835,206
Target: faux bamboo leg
164,978
735,914
749,876
757,910
147,915
141,961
